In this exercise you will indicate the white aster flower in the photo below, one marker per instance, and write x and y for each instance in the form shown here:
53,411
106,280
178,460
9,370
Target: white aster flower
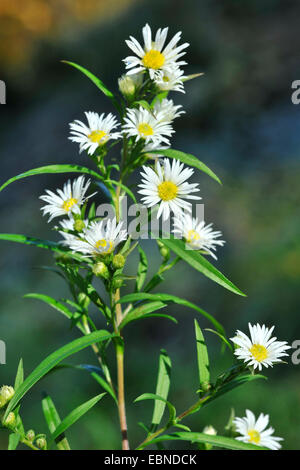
197,235
153,56
167,186
260,349
96,133
100,238
142,124
170,80
67,200
166,110
254,431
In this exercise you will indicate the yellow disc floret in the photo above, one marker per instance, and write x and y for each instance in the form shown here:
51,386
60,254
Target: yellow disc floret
153,59
145,129
107,245
67,205
167,190
254,436
259,352
98,137
192,236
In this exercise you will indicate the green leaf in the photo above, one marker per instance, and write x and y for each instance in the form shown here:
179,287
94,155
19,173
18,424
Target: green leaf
49,169
99,84
75,415
225,341
53,421
173,299
203,361
162,388
142,270
13,441
197,261
153,396
234,383
143,311
20,375
53,359
56,305
217,441
123,186
46,244
188,159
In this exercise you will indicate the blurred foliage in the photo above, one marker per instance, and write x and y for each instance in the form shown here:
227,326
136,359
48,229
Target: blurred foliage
239,120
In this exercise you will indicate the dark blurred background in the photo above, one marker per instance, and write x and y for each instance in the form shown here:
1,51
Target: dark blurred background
239,120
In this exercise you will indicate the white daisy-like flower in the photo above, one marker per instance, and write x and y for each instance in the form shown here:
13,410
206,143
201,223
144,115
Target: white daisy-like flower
166,110
197,235
142,124
68,224
260,349
96,133
167,186
153,56
100,238
170,80
67,200
254,431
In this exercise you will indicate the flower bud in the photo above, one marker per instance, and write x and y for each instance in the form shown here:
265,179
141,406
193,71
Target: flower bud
79,225
41,443
118,261
126,86
117,283
100,270
83,300
6,394
10,421
30,435
210,430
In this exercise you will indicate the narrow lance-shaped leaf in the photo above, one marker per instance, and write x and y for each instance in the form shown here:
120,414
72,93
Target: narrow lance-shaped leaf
53,359
49,169
202,356
153,396
20,375
75,415
53,421
13,441
188,159
56,305
162,388
142,270
129,298
197,261
46,244
143,311
217,441
99,84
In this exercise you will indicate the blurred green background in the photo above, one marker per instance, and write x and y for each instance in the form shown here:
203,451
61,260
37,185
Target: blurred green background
239,120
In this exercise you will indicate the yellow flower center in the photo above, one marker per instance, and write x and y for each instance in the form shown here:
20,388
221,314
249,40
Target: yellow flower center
166,79
254,436
97,136
67,205
192,236
259,352
167,190
107,245
153,59
145,130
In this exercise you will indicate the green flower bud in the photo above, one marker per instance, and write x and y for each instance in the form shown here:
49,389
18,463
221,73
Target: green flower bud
10,421
30,435
126,86
79,225
83,300
210,430
118,261
117,283
6,394
100,270
41,443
